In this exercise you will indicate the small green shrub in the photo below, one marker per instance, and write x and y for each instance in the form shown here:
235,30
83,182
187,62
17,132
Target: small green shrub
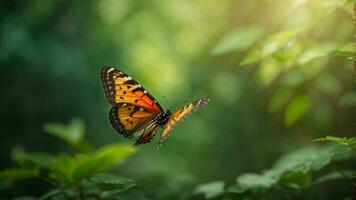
81,175
291,174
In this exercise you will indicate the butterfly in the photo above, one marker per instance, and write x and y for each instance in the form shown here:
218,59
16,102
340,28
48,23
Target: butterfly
134,109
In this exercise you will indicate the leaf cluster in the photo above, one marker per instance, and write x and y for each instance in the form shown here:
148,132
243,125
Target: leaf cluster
81,175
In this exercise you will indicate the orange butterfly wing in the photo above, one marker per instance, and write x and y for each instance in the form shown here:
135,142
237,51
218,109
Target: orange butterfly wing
127,120
179,115
120,88
133,107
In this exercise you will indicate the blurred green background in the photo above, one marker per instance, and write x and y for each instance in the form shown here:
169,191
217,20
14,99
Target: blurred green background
278,74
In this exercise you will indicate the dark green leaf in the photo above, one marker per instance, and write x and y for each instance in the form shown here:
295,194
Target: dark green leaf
297,179
304,159
50,194
341,152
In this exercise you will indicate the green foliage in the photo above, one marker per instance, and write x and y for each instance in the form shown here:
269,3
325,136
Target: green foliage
293,171
344,148
345,141
75,176
111,182
348,99
42,160
298,106
52,194
271,45
237,40
279,74
63,166
73,133
345,49
101,160
341,152
211,190
18,173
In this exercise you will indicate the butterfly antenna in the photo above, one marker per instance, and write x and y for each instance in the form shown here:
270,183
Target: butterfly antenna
171,102
165,101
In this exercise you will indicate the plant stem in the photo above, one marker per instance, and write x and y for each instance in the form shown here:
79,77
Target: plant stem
353,184
80,191
48,181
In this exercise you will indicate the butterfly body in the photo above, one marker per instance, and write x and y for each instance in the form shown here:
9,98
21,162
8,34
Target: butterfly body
162,117
135,110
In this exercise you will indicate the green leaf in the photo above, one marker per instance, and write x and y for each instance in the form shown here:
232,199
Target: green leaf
63,166
236,188
42,160
293,170
102,160
316,51
345,50
298,106
112,182
50,195
344,140
279,99
332,176
255,181
304,159
272,44
211,190
297,179
237,40
269,70
341,152
18,173
72,133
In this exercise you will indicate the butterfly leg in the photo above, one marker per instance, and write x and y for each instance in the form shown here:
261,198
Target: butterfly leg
148,133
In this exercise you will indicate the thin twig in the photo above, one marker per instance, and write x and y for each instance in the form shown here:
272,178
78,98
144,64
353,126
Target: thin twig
48,181
80,191
353,184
